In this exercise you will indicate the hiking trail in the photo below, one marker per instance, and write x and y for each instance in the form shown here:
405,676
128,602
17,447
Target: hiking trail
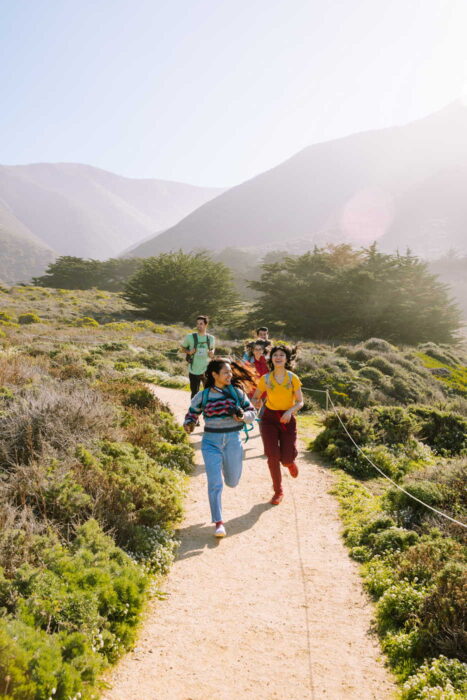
275,611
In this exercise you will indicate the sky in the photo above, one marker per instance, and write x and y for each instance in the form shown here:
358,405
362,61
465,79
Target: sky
213,92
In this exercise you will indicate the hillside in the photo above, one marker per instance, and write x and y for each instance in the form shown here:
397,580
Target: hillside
80,210
21,255
396,185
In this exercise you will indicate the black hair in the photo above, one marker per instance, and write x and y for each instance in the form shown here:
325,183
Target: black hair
243,377
203,318
291,356
263,328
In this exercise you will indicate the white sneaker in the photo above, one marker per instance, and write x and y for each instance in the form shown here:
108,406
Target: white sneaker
220,531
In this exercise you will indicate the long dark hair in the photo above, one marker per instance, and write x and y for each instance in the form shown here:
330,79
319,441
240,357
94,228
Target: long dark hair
243,377
290,353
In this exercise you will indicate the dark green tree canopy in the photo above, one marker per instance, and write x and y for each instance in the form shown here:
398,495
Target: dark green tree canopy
178,286
69,272
340,294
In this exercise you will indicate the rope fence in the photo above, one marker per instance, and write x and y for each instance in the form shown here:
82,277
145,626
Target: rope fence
380,471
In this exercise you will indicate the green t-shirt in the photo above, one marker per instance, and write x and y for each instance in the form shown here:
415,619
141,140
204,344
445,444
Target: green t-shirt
201,357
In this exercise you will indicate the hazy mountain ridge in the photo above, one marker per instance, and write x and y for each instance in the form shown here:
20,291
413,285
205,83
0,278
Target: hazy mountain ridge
80,210
374,185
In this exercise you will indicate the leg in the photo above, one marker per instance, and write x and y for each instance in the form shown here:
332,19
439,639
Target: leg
269,430
195,381
288,443
211,447
232,462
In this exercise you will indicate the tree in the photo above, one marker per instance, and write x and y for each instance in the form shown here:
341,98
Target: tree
331,293
177,286
69,272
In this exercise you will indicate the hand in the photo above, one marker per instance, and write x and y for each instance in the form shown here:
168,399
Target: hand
286,416
239,420
188,427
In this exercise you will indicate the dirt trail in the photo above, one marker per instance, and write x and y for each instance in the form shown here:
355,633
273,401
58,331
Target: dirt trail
274,611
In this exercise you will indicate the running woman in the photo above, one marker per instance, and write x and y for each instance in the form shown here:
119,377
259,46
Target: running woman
226,408
278,426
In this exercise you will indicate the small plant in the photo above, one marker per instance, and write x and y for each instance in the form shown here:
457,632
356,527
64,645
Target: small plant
26,319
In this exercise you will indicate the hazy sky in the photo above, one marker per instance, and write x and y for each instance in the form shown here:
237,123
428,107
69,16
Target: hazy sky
212,92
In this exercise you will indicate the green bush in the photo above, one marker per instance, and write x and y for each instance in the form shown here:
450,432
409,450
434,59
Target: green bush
382,364
443,614
75,612
426,558
26,319
85,322
129,488
439,679
393,425
445,432
399,606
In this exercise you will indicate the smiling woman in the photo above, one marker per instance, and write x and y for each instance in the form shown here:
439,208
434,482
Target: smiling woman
226,409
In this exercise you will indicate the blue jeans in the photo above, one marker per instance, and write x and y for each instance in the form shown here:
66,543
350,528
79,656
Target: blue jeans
223,455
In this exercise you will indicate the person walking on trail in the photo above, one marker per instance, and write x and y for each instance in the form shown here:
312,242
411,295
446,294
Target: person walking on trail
199,349
262,337
278,426
226,409
257,360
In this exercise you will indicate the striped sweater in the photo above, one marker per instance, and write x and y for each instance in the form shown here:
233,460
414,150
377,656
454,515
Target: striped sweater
218,410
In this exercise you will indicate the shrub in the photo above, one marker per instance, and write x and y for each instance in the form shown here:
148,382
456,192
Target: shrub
26,319
399,606
439,679
359,465
129,488
378,344
426,558
53,418
444,431
409,511
382,364
85,322
443,615
333,440
5,317
393,425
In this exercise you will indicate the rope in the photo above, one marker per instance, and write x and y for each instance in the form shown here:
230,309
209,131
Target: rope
410,495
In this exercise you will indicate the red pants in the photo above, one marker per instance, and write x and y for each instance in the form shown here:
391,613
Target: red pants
280,443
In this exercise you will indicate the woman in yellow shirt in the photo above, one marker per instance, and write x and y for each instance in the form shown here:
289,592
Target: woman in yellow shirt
278,426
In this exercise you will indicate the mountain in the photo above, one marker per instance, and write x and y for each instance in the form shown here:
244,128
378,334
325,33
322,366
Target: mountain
403,186
21,254
79,210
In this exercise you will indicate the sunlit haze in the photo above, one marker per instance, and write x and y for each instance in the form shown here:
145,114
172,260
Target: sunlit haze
212,92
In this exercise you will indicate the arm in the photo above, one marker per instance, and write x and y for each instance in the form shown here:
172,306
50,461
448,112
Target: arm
213,347
287,415
194,412
186,348
249,413
256,399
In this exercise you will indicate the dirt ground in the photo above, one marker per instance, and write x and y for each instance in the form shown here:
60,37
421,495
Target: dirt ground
273,611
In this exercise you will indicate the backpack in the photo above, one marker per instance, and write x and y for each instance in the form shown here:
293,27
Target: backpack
189,358
270,385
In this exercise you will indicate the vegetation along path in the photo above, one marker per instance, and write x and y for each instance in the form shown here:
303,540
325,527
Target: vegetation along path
275,610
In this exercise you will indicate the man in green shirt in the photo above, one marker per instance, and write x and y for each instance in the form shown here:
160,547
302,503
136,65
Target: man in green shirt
199,349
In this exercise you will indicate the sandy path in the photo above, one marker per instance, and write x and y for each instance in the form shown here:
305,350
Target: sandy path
275,610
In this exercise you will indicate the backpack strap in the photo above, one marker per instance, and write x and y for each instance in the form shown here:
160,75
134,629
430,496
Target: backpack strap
204,398
195,340
208,341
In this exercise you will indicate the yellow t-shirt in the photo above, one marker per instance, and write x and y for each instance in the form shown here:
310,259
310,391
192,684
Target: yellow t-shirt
280,397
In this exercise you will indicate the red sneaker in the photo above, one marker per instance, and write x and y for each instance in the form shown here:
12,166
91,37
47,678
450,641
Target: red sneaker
276,499
293,469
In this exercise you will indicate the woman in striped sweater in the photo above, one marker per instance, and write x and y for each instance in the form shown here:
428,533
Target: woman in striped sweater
225,408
